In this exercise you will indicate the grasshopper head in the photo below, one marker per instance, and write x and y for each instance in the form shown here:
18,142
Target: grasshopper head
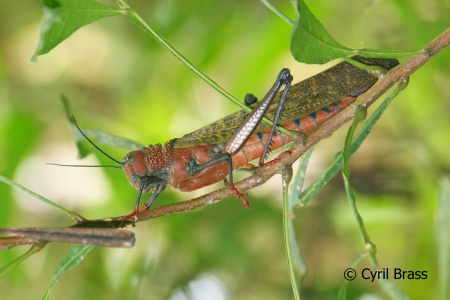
145,168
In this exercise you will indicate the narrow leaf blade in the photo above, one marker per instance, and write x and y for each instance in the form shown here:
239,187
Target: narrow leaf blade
33,249
101,137
75,256
61,209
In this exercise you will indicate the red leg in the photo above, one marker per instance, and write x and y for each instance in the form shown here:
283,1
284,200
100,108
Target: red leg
131,217
278,158
248,167
237,194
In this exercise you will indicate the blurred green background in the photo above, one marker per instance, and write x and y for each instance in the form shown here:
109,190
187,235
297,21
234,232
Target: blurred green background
121,81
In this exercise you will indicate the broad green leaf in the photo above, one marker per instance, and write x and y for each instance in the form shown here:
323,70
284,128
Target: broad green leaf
64,17
311,43
75,256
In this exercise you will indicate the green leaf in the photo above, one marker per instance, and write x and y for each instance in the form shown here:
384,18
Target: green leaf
311,43
64,17
75,256
300,176
83,149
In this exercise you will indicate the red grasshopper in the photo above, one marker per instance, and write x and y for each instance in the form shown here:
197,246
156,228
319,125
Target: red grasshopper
209,154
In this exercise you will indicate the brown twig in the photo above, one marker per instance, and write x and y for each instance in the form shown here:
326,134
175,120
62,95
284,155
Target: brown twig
104,237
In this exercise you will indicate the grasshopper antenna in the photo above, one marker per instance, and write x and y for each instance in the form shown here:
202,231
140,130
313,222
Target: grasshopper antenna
92,143
84,166
96,147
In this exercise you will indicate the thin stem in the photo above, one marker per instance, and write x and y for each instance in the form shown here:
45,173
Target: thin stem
134,17
343,290
277,12
288,228
360,115
389,288
300,176
65,211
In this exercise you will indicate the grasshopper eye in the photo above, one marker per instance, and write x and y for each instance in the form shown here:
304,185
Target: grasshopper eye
131,157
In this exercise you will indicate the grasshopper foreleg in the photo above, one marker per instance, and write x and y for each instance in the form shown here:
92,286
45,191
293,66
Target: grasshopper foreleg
246,129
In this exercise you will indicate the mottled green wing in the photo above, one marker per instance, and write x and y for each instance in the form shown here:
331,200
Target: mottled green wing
304,98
